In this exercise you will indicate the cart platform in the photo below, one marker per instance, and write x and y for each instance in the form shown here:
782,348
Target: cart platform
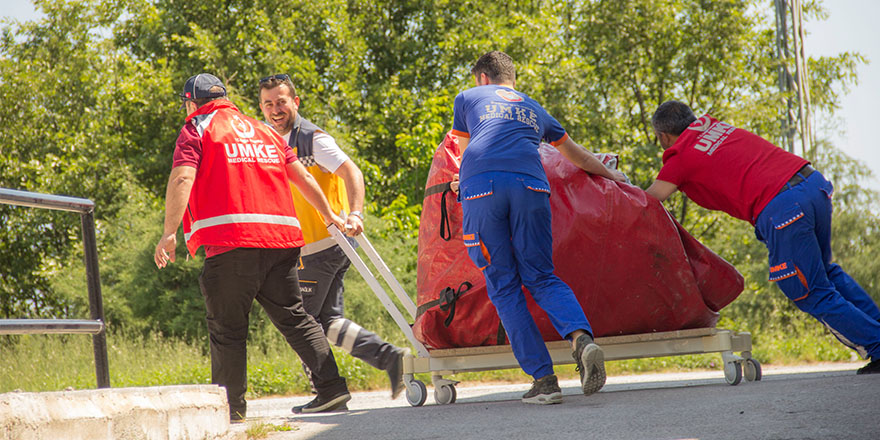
440,362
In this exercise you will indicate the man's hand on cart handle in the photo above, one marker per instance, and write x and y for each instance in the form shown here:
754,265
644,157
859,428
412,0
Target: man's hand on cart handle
337,221
454,184
354,224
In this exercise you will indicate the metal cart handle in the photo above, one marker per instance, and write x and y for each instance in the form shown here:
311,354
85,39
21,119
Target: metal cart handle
371,280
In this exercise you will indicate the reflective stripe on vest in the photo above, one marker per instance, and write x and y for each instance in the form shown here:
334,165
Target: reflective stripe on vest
241,218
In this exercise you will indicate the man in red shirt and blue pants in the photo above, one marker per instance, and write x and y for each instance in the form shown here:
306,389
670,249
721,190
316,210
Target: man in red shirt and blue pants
725,168
507,224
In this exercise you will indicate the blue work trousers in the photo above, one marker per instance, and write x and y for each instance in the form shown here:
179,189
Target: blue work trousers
796,227
508,234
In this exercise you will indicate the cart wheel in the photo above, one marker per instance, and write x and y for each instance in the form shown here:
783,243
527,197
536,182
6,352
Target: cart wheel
752,370
416,393
445,394
733,373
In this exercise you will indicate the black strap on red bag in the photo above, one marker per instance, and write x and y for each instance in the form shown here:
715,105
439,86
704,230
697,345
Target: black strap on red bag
449,298
446,301
445,230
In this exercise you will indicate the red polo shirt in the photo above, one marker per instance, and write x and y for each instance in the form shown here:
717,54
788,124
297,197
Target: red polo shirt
728,169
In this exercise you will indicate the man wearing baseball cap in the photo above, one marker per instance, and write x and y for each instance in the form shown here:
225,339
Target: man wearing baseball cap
229,186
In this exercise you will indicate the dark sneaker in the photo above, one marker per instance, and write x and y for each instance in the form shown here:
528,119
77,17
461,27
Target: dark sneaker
545,391
321,404
395,374
590,363
873,367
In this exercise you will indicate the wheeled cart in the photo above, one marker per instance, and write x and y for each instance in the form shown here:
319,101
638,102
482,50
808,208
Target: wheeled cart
445,362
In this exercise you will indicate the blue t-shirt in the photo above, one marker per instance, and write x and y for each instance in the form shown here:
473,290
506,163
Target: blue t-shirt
505,128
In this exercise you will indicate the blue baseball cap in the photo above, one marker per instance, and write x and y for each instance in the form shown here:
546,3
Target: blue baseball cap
199,86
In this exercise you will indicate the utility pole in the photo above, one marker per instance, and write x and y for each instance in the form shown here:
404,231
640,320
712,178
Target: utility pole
795,88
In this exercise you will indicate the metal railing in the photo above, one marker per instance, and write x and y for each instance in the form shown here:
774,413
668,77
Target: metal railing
95,326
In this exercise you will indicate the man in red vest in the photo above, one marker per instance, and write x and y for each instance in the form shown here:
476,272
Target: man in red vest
229,185
725,168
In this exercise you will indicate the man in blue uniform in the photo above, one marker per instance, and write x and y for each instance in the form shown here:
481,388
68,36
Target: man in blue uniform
507,223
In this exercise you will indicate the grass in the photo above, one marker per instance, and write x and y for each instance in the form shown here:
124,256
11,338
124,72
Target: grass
55,362
261,430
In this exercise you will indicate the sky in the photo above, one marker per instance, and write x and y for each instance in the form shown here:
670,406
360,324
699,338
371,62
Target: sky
849,27
852,26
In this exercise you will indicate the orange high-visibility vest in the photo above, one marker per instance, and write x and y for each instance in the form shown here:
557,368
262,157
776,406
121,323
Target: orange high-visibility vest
240,197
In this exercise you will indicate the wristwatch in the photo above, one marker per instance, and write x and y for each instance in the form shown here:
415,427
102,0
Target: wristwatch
357,214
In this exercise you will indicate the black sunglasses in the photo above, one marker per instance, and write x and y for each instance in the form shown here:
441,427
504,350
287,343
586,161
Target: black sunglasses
280,77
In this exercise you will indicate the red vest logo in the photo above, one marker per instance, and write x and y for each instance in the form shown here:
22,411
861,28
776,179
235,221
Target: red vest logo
241,127
507,95
700,124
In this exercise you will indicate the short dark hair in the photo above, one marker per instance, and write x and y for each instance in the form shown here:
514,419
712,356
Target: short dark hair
497,65
214,89
672,117
275,81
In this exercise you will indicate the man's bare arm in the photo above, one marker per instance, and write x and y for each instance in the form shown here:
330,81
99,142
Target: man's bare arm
180,184
586,161
661,189
462,145
354,187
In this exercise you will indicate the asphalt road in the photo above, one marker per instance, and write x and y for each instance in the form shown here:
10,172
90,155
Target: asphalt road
812,402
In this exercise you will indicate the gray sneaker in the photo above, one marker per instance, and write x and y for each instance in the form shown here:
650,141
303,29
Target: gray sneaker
590,363
545,391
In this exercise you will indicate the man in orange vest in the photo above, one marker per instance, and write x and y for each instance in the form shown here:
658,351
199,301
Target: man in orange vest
229,185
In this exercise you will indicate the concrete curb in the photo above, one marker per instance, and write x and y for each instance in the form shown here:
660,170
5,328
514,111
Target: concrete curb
183,412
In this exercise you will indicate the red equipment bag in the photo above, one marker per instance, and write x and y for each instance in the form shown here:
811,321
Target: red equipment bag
633,268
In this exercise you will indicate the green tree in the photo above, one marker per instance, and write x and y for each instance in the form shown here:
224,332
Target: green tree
61,135
92,111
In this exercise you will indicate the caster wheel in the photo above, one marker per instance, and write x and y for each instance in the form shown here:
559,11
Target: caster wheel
445,394
733,373
416,393
752,370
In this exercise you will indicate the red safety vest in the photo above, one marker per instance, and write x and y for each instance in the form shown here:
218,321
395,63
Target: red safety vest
240,197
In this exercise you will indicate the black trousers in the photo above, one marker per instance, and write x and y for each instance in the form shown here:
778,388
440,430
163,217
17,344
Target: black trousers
230,282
